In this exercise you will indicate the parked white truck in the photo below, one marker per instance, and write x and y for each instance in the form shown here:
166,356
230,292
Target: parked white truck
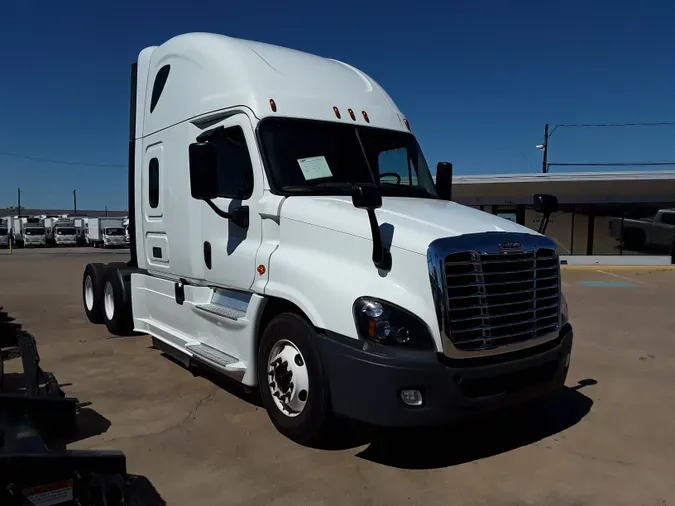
127,241
657,231
64,232
104,232
5,231
31,232
286,231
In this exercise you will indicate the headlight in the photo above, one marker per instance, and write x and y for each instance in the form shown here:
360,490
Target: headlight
564,312
382,322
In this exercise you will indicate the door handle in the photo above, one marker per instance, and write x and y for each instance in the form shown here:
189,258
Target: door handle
207,254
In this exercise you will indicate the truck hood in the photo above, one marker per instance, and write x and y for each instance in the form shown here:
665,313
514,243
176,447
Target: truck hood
410,223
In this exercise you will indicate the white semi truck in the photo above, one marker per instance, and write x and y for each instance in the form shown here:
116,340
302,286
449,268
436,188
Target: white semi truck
286,231
105,232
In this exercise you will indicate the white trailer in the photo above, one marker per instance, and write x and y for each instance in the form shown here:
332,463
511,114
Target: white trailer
286,231
104,232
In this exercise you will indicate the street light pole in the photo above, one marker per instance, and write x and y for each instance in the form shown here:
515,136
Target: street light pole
544,162
74,201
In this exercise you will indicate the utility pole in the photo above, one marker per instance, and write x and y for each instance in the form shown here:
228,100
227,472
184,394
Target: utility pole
18,205
544,163
106,210
74,201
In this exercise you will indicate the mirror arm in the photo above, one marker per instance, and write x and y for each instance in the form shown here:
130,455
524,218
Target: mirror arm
239,217
219,211
544,223
381,255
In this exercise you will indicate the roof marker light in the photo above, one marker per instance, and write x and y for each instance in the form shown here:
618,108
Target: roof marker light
273,105
405,122
365,116
351,114
337,112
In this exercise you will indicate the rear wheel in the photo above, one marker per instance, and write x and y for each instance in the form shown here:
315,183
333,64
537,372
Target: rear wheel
293,385
92,292
117,314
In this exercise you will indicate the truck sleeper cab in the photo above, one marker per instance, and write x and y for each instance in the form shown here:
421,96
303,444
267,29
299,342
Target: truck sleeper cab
286,231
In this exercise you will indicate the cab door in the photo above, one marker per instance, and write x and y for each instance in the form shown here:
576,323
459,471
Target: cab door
228,250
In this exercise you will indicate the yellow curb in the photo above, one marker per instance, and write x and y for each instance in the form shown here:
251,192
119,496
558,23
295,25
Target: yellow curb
610,268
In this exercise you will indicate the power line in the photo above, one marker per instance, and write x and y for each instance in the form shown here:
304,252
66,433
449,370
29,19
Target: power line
61,162
613,164
661,123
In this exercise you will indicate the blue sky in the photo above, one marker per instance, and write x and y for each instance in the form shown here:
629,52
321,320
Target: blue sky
477,79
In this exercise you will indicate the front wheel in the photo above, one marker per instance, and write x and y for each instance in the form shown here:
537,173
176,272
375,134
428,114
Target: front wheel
293,385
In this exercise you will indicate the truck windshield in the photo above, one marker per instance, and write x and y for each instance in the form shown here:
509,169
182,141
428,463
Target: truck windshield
114,231
3,231
324,158
65,231
35,231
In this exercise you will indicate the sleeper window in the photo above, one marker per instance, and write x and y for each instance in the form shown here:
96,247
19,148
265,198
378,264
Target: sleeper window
153,183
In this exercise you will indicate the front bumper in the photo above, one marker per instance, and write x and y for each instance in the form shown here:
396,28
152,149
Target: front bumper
365,384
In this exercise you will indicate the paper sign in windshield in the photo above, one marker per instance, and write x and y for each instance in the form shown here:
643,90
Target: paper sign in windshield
314,167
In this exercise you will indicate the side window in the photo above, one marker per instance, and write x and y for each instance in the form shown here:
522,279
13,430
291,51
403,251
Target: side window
158,86
396,161
153,183
668,218
235,170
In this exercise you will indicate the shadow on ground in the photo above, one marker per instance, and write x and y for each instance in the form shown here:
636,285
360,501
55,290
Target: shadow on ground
452,445
142,492
445,446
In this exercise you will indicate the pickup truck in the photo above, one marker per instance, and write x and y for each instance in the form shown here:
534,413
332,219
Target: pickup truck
657,231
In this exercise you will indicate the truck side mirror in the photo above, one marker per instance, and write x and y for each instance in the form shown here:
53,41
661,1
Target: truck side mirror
444,180
546,205
204,180
203,170
368,197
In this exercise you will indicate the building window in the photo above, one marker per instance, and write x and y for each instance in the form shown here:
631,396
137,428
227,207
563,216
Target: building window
153,183
158,86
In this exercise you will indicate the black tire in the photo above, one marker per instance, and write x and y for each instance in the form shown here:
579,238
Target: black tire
119,320
634,239
96,274
314,422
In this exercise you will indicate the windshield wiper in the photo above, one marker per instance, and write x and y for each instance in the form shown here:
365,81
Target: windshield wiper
326,185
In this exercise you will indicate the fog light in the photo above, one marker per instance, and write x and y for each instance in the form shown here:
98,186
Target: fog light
567,360
411,397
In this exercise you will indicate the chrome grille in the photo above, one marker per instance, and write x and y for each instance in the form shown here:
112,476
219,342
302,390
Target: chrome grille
497,299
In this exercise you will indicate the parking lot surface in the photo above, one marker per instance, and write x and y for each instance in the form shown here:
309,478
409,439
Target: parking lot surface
607,439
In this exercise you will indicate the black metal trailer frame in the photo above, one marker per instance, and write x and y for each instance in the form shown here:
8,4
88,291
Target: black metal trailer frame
36,424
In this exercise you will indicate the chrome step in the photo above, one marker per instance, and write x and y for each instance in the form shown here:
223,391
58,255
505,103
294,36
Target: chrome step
225,312
211,354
